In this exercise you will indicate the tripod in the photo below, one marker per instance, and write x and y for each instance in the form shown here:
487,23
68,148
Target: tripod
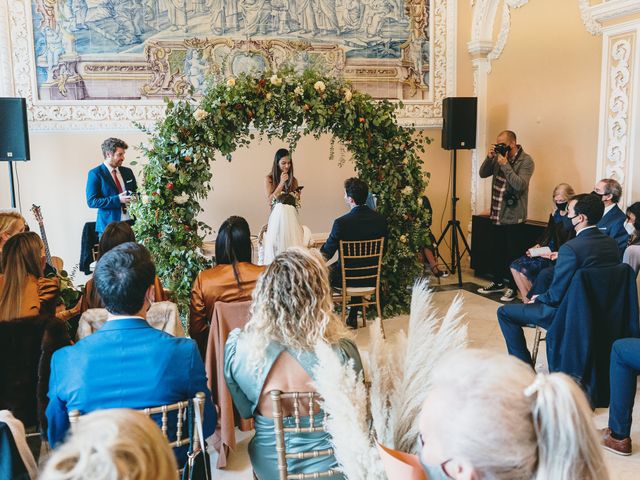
456,231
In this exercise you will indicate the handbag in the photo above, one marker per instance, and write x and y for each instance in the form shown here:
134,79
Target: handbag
198,465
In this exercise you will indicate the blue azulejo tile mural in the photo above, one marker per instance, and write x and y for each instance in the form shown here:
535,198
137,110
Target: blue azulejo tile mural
146,49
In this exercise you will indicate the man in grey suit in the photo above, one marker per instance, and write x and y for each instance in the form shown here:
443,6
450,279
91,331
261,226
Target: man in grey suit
511,169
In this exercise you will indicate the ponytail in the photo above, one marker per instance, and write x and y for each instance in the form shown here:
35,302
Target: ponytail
568,446
232,253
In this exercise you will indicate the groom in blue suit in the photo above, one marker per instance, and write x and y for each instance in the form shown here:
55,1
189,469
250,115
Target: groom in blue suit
127,363
110,185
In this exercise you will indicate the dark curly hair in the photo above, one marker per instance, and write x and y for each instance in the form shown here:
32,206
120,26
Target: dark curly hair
111,144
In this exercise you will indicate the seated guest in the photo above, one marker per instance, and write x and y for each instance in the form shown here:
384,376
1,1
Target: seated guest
612,222
24,291
231,280
428,254
11,222
29,332
284,229
361,223
127,363
624,371
509,423
117,443
632,226
292,311
591,248
559,229
115,234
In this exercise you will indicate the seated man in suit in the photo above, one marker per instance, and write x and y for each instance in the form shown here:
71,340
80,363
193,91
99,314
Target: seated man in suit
612,222
361,223
590,248
127,363
110,185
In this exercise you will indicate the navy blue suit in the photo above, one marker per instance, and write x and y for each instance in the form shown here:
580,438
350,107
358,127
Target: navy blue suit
612,224
361,223
103,194
590,249
125,364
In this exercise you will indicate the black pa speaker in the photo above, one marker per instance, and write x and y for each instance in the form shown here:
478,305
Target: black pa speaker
14,131
459,115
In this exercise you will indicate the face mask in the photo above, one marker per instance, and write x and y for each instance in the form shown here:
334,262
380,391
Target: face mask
629,228
434,472
598,194
562,206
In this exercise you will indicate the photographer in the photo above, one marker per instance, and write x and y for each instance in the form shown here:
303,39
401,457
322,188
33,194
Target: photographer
511,169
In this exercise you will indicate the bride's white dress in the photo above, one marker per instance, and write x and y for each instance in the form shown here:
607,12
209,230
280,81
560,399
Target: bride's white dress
283,231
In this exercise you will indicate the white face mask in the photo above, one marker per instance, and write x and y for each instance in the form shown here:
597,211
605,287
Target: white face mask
629,228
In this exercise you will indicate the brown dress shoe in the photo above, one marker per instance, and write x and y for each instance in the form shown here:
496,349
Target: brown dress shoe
621,447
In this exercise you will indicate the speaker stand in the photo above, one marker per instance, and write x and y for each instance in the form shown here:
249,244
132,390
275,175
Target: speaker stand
453,226
12,189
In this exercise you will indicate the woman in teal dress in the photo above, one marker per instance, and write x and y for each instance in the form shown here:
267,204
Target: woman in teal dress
291,312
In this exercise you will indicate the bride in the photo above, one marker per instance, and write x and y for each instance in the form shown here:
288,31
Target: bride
283,230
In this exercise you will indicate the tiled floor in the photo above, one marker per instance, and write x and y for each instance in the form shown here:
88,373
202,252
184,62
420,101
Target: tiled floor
484,332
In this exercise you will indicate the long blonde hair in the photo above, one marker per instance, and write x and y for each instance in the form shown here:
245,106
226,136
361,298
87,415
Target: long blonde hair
8,221
292,305
508,423
21,257
110,445
565,190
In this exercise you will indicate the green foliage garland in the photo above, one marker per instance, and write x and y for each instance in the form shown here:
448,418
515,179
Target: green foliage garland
284,105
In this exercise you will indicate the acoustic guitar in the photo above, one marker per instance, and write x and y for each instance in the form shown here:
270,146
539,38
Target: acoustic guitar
55,262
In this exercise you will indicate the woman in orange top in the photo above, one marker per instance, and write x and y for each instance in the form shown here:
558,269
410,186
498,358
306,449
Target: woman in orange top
115,234
231,280
24,291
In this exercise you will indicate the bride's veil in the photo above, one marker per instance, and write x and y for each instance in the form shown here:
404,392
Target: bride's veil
283,231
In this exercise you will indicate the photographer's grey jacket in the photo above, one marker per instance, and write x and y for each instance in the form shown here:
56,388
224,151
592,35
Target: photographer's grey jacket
518,173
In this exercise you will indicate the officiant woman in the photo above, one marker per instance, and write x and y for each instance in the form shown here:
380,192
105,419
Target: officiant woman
281,179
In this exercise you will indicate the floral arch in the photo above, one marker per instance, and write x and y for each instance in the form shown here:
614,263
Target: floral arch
285,105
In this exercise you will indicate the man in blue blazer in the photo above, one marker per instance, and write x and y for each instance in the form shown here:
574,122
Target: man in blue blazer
590,248
127,363
612,222
361,223
110,185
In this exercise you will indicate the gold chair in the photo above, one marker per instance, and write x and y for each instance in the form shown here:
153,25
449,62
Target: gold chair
308,406
536,344
358,260
182,434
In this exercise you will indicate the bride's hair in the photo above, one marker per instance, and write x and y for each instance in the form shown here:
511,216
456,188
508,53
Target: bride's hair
233,244
283,231
275,168
292,306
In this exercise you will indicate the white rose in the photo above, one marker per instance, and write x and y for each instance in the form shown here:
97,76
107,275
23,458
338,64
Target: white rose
403,238
320,86
299,90
180,199
145,199
268,96
276,80
408,190
171,167
348,95
231,82
200,114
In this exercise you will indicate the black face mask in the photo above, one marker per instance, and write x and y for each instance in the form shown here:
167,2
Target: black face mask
598,194
562,206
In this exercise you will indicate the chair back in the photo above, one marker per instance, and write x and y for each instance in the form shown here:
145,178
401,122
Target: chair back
181,418
303,404
361,263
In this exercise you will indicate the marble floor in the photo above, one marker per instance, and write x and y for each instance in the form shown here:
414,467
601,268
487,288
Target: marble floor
484,332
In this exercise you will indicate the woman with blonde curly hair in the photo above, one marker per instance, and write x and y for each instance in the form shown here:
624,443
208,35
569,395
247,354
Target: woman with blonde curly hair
291,313
489,416
112,444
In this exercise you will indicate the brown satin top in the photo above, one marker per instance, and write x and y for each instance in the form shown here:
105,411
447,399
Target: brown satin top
40,295
91,299
218,284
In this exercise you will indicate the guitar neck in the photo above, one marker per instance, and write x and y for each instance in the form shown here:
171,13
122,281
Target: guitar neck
46,243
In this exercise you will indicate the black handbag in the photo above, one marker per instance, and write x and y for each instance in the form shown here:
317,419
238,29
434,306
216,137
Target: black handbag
198,464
